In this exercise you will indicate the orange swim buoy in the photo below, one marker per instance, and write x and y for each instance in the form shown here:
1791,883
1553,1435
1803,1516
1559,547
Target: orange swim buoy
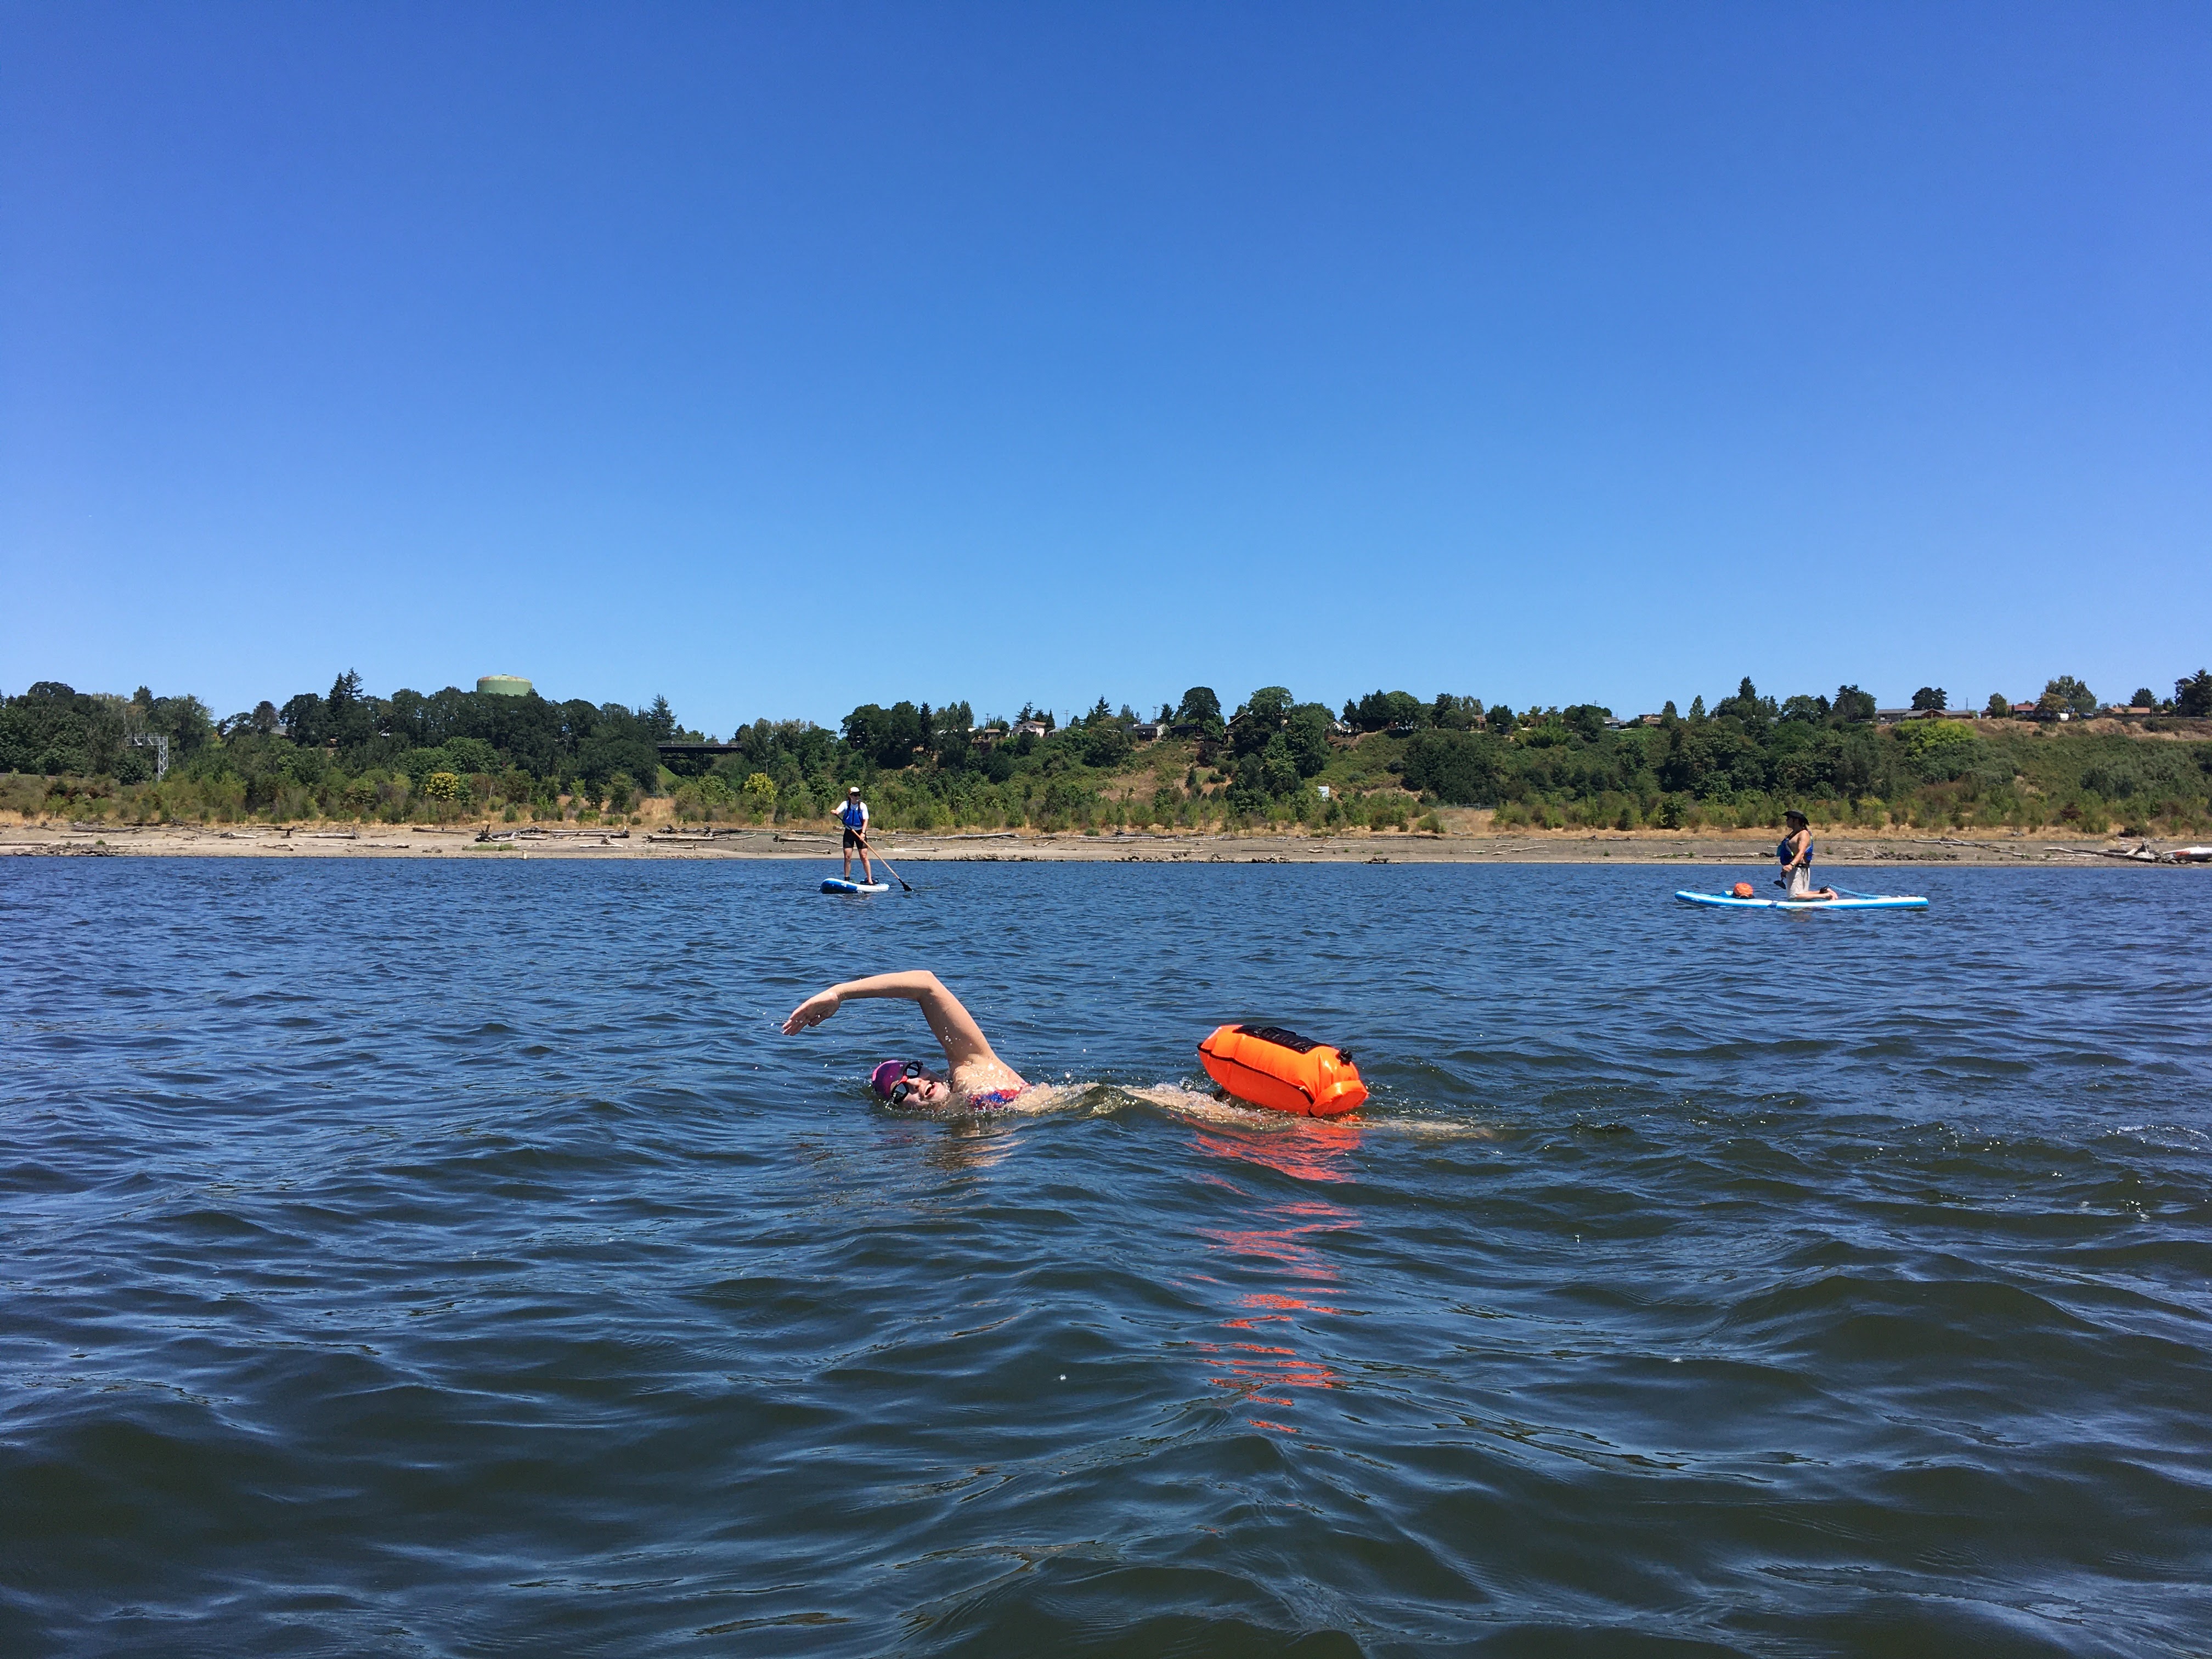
1741,890
1266,1066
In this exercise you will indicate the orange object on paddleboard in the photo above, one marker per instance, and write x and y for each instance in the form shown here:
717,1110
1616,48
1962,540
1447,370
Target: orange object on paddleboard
1741,890
1266,1066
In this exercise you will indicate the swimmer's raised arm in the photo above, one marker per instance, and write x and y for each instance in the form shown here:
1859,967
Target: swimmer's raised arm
952,1025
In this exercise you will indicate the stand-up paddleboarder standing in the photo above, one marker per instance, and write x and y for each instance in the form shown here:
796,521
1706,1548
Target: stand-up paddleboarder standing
854,815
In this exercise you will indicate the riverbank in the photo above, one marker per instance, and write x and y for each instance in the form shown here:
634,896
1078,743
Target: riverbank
819,847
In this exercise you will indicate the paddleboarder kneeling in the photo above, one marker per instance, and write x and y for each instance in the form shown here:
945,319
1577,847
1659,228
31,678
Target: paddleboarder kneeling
1795,852
973,1075
854,815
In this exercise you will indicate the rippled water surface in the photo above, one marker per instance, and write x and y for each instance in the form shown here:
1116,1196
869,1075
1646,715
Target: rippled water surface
454,1259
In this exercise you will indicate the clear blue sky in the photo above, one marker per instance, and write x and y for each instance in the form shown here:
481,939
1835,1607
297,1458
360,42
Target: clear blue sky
783,358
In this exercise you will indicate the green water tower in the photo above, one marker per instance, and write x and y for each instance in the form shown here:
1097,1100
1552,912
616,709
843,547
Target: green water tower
504,686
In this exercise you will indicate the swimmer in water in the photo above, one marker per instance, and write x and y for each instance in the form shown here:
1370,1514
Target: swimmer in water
974,1076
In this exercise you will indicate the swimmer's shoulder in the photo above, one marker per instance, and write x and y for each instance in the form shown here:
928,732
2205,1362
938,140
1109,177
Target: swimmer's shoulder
990,1076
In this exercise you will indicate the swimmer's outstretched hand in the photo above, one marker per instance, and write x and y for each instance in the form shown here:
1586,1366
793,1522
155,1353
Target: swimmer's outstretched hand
813,1012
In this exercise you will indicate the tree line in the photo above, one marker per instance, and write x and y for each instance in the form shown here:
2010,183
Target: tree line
1381,759
1750,756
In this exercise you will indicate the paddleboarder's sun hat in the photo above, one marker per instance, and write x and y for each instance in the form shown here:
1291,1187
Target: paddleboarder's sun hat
1793,815
854,790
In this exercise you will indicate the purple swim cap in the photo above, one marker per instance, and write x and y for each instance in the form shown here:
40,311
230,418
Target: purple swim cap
887,1077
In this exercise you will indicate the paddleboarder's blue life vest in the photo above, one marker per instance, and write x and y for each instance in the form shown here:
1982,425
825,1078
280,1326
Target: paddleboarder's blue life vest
854,815
1781,851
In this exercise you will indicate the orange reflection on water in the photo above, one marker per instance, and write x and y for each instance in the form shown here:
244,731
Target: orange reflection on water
1253,1366
1264,1299
1305,1148
1282,1247
1285,1245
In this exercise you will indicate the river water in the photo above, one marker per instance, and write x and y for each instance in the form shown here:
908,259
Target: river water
435,1258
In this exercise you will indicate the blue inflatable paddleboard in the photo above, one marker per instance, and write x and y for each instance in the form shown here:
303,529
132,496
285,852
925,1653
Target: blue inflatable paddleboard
833,885
1848,901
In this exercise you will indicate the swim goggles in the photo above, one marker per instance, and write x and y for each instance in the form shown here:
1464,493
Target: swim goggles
901,1090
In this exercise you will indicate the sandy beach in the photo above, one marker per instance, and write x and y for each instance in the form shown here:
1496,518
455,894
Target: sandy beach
1750,848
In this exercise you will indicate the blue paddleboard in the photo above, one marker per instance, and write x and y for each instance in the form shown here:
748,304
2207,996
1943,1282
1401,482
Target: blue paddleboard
1849,900
833,885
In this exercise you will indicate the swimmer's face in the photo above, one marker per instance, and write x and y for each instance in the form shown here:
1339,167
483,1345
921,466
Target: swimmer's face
928,1089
